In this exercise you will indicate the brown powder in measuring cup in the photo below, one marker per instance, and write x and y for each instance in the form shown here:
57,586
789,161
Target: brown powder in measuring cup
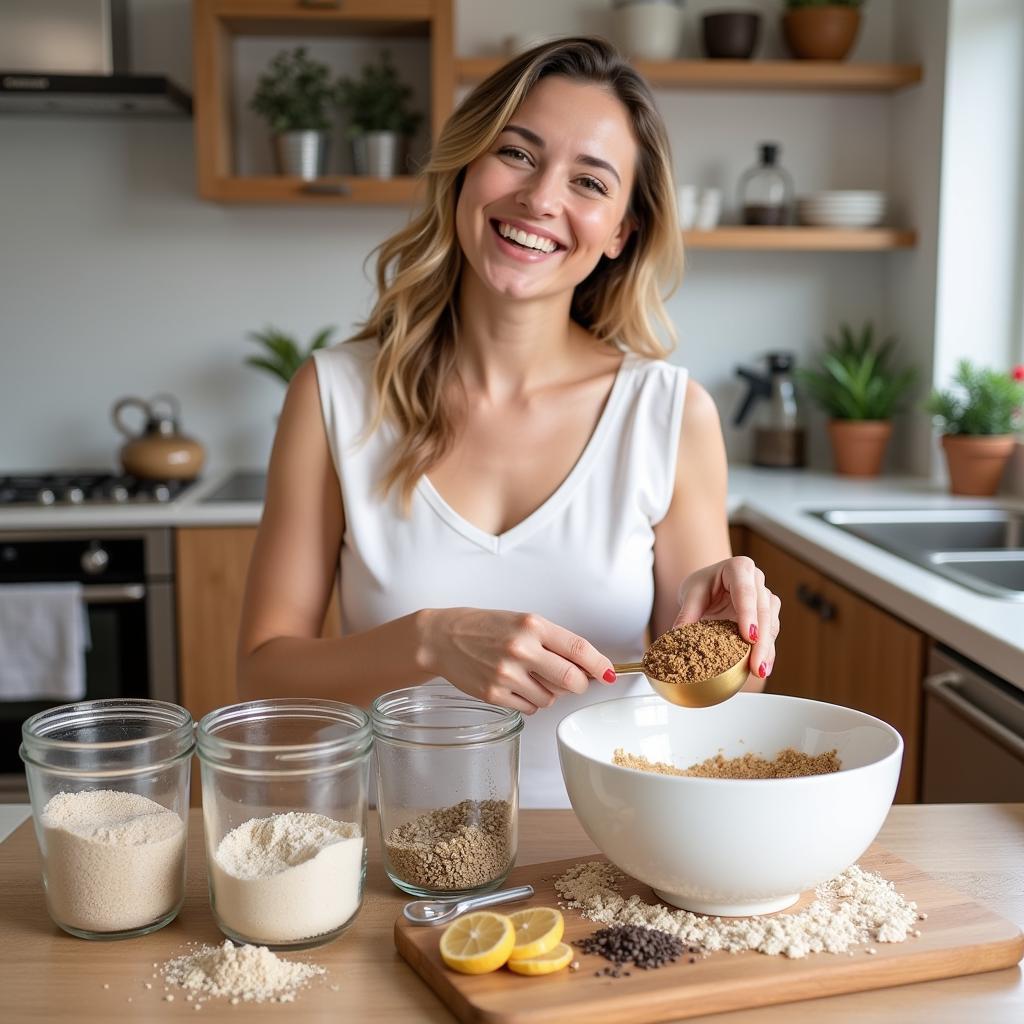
697,651
787,764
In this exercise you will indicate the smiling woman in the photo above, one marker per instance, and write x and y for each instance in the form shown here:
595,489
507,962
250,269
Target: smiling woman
510,483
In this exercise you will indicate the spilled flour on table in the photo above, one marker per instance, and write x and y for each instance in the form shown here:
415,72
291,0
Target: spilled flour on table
855,907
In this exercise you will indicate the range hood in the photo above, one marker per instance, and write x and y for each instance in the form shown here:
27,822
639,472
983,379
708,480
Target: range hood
73,57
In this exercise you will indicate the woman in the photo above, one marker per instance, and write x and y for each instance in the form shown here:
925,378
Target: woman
515,484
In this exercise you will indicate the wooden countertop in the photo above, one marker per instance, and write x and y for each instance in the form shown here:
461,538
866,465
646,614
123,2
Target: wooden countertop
49,975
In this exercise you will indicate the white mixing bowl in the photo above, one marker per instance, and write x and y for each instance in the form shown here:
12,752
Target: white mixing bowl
730,847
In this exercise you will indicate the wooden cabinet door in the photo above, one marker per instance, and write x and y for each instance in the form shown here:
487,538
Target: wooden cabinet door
738,539
796,672
873,662
212,564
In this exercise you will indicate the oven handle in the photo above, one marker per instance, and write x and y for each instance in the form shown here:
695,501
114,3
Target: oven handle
942,687
128,593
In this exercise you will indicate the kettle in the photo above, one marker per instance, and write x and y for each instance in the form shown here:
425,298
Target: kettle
160,451
778,432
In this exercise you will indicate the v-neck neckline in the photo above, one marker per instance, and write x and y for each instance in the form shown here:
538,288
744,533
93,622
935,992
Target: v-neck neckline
553,504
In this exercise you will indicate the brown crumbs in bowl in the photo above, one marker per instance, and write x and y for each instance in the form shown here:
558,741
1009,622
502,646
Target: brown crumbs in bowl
787,764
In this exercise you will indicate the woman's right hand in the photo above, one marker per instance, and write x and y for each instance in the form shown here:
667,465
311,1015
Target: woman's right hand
512,659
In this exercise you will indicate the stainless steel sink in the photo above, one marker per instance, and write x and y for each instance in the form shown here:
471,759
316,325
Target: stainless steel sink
980,548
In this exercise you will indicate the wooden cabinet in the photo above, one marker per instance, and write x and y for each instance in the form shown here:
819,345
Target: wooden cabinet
835,646
211,567
738,539
218,24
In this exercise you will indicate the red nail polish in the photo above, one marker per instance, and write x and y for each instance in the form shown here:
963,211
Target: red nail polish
753,634
609,676
762,669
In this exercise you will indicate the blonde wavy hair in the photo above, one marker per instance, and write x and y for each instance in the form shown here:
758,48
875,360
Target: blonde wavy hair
418,270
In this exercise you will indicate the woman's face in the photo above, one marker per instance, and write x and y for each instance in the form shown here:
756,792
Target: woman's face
549,198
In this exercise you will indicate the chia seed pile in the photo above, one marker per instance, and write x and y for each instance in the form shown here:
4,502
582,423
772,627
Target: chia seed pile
646,948
454,848
697,651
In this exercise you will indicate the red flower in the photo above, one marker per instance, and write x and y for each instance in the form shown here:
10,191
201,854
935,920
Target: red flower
1018,372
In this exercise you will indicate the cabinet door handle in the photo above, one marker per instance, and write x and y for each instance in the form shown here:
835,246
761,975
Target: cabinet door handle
826,609
320,3
808,597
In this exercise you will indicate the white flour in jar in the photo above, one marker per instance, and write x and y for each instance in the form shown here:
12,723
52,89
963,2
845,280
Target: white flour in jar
288,877
114,860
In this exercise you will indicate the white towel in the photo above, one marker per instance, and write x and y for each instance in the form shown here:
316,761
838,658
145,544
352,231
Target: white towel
44,634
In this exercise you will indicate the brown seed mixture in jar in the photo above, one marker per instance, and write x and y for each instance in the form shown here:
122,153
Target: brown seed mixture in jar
787,764
458,847
697,651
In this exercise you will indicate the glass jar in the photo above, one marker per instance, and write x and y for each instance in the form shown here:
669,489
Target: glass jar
109,785
284,812
448,789
766,190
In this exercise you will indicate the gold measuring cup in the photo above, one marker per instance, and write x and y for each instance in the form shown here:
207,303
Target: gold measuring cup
704,693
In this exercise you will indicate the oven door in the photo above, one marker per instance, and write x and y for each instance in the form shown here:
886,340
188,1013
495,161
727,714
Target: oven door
131,655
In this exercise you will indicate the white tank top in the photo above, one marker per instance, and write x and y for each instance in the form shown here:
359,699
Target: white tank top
584,559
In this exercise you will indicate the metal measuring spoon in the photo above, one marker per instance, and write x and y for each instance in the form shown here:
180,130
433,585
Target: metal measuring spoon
703,693
443,911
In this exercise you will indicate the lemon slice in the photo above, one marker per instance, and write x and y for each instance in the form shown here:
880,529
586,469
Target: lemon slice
547,963
538,929
478,943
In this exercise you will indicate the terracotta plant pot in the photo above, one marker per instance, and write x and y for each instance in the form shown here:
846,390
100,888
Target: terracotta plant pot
821,33
976,461
859,445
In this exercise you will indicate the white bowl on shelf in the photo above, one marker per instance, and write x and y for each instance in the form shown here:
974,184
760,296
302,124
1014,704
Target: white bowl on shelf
729,847
850,209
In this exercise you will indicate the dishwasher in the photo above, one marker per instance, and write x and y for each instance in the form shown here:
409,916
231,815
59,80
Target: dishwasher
973,733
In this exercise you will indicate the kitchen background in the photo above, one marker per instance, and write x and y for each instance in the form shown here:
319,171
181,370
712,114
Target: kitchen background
115,278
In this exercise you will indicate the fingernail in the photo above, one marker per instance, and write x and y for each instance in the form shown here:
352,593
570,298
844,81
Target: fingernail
762,669
753,634
609,676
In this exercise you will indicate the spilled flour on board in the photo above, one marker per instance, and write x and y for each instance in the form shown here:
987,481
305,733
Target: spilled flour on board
855,907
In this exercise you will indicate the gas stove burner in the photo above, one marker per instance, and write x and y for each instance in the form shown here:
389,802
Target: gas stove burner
86,488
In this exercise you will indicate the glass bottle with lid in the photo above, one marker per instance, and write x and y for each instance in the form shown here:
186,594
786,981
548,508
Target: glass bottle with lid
766,190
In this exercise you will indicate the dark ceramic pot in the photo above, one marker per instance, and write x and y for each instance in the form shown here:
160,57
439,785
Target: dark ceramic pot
731,35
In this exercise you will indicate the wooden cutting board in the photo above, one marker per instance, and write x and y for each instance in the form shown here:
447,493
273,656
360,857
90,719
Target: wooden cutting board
958,937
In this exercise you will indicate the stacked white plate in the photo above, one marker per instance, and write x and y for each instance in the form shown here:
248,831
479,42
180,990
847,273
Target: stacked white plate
849,209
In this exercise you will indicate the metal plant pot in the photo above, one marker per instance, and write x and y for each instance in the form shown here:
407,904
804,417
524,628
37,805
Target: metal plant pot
302,154
378,154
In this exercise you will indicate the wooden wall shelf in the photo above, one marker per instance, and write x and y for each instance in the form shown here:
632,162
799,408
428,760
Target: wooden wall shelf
330,191
216,23
801,239
787,75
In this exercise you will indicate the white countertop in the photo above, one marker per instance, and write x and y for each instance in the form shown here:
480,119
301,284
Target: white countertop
988,630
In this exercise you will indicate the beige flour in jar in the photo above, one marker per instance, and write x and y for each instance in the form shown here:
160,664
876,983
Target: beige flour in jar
288,877
114,860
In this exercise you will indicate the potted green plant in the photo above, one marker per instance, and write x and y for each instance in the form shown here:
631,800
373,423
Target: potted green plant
295,96
856,385
380,117
282,354
821,29
978,416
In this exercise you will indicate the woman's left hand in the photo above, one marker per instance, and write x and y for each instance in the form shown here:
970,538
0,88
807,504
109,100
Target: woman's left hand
735,589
